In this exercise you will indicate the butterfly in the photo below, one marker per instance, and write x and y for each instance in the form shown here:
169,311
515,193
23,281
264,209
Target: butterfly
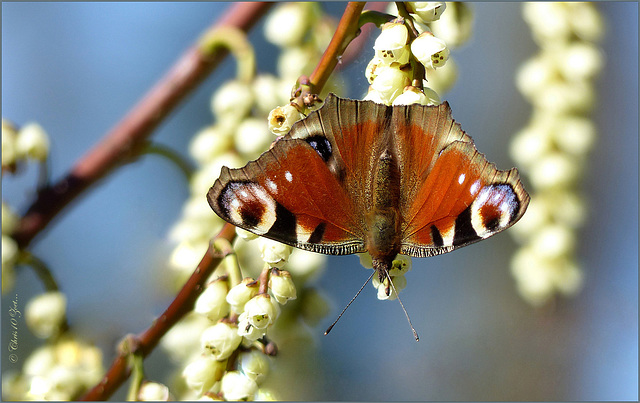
357,176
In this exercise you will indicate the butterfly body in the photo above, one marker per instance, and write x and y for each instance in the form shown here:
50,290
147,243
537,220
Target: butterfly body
355,176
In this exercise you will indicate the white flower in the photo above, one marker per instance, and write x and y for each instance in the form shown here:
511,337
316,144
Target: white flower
413,95
390,82
553,241
554,170
45,313
426,11
370,72
282,286
432,52
9,257
537,217
531,143
9,136
209,143
153,391
391,44
9,219
220,340
274,253
187,255
252,136
232,101
32,142
575,135
254,364
247,330
201,374
293,62
400,282
581,61
260,311
375,96
535,74
240,294
400,265
282,118
212,302
304,264
184,338
236,386
268,93
455,26
366,260
287,24
245,235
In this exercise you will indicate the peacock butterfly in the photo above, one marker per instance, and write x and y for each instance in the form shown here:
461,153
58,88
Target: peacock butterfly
357,176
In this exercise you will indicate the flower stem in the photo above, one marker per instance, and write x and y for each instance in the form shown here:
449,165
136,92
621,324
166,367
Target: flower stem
167,152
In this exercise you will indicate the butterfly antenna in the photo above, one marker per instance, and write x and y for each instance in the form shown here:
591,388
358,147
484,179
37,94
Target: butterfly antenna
415,334
326,332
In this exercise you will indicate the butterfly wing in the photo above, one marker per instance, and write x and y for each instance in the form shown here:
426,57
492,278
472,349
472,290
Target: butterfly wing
307,190
454,196
288,194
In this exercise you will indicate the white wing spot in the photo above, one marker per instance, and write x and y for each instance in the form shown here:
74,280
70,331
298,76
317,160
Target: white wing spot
272,185
288,176
461,179
475,187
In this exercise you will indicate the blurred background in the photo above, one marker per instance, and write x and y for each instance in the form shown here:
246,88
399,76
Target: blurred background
77,68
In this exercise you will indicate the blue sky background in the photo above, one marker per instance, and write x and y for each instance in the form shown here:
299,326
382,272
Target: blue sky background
77,68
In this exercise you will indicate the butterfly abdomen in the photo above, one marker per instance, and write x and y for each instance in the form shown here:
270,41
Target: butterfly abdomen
383,221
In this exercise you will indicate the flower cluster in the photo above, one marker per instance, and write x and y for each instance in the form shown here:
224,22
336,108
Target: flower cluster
404,47
61,369
552,149
232,334
223,343
64,367
29,142
400,266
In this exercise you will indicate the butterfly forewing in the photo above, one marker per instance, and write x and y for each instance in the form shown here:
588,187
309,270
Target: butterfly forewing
463,200
290,195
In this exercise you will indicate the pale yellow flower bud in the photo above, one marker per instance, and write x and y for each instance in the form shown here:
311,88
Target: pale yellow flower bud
426,11
201,374
391,44
45,313
282,286
232,101
254,364
32,142
274,253
287,24
153,391
282,118
260,311
432,52
220,340
240,294
237,386
212,302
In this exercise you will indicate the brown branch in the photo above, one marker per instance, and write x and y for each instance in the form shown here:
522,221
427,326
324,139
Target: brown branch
127,139
146,341
346,31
